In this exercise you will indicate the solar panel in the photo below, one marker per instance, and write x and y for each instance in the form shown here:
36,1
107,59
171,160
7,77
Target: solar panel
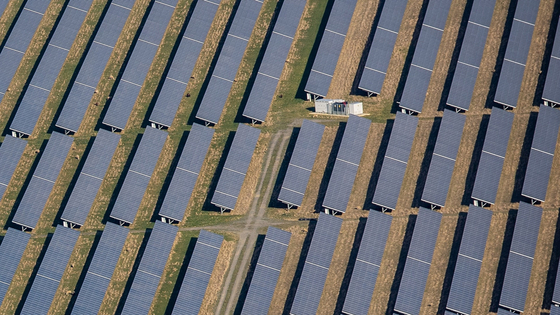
183,63
43,179
317,263
235,168
90,178
45,284
267,271
555,296
11,151
11,251
443,159
418,261
186,173
138,64
469,261
301,163
100,271
550,92
201,265
228,62
150,270
395,161
275,56
3,5
368,262
138,175
75,106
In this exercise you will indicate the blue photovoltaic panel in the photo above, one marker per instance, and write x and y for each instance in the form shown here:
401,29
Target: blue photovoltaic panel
555,296
83,88
224,72
92,174
138,176
521,254
11,251
137,67
235,168
201,265
366,268
267,271
3,4
346,164
186,173
11,151
382,46
317,263
395,161
443,159
150,270
183,63
469,261
39,188
418,261
98,276
330,48
301,163
45,284
551,93
273,61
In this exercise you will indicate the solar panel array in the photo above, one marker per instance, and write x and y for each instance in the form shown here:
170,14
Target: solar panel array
382,46
517,51
443,158
520,259
150,270
492,157
469,261
474,41
100,271
3,4
301,163
330,47
90,72
45,284
201,265
139,63
90,178
425,54
11,151
183,63
232,51
555,307
18,40
368,262
550,91
275,56
138,175
346,164
186,173
236,166
542,154
42,81
317,263
11,251
394,163
43,179
267,271
418,262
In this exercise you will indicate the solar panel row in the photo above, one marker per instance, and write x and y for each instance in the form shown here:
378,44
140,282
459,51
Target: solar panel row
330,47
232,51
273,61
138,175
43,179
186,173
555,307
138,64
3,4
550,93
11,251
425,54
346,164
368,262
317,264
11,151
236,166
75,106
301,163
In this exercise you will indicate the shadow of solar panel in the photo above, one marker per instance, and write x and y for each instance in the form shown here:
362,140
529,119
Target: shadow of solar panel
436,13
412,286
11,251
11,151
511,77
416,86
50,272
